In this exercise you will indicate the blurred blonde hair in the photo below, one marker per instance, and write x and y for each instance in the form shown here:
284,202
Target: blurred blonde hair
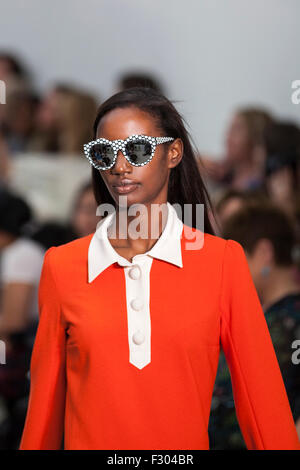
76,115
257,121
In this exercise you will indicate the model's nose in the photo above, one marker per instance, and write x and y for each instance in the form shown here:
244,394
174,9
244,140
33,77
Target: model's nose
121,164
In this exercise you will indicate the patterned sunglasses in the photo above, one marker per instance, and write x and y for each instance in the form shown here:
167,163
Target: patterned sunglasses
137,149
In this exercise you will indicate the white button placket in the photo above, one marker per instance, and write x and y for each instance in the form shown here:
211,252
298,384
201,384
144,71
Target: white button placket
137,278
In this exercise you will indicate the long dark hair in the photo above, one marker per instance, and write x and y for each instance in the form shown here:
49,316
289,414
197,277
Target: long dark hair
185,183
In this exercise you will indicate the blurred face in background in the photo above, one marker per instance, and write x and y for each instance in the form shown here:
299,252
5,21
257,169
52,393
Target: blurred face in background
229,208
280,186
5,239
48,111
20,113
262,256
238,142
84,219
5,69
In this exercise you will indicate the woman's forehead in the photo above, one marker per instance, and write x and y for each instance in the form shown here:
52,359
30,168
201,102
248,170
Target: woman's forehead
123,122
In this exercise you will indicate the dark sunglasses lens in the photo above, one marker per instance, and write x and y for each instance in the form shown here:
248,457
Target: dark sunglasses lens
138,151
102,155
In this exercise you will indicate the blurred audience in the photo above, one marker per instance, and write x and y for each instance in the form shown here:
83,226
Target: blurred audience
83,219
269,238
21,263
5,162
52,233
242,167
232,200
64,120
255,189
13,72
18,122
282,147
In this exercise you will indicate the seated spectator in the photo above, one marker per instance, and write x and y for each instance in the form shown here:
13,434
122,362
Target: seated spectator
242,167
233,200
18,122
5,162
83,219
21,263
52,233
64,121
282,147
267,235
11,67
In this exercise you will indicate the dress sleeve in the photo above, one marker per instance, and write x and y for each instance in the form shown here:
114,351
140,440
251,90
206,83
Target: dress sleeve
261,402
44,423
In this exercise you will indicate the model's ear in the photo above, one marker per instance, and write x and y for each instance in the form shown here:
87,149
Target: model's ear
175,153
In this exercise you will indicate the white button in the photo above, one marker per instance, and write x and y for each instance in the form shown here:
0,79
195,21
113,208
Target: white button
138,337
135,273
136,304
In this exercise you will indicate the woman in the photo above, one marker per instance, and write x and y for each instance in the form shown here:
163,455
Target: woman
104,371
83,218
282,146
21,264
243,165
64,120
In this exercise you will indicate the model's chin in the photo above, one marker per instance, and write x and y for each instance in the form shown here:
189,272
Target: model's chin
128,199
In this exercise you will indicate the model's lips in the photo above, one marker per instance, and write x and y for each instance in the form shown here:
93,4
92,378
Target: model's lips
125,186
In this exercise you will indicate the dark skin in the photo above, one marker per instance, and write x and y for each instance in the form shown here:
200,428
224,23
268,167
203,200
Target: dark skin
151,179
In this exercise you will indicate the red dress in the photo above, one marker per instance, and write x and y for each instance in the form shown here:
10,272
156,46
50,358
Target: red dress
83,385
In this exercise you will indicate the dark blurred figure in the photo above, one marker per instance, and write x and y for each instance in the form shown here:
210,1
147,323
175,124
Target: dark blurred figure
5,162
268,237
21,263
282,145
14,75
232,200
53,233
11,67
133,79
242,167
18,123
82,221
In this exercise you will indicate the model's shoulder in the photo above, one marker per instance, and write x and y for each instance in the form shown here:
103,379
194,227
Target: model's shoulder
215,241
201,242
226,247
70,252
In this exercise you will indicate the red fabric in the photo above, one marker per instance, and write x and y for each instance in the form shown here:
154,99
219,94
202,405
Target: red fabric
83,385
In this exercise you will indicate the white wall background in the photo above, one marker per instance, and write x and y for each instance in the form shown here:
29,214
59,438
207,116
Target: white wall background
212,55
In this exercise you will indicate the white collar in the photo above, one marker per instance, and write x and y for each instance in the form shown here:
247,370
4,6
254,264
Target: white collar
101,254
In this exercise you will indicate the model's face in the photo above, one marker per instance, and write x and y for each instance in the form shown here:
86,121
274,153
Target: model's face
148,183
